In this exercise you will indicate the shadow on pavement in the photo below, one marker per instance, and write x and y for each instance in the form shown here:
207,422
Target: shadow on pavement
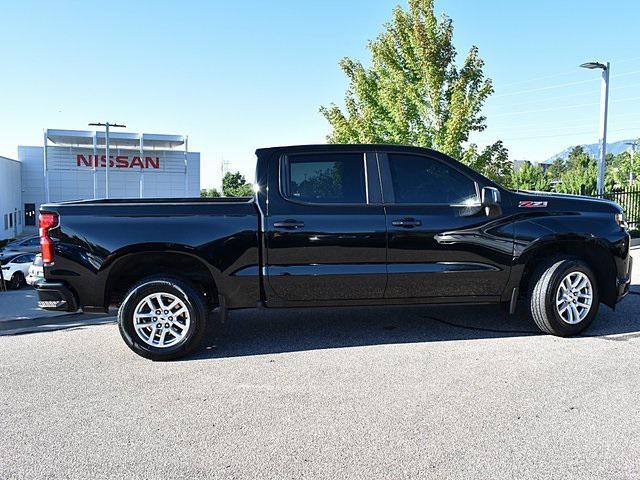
257,332
53,323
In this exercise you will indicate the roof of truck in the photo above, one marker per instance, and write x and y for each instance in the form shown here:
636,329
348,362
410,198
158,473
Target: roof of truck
324,147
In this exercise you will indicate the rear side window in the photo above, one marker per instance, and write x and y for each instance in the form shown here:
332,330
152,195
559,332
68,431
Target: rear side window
419,179
325,178
24,259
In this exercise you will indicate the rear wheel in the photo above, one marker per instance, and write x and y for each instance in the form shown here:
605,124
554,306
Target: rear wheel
163,318
563,298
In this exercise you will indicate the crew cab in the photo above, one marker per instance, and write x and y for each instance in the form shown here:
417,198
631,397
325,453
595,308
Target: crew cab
334,225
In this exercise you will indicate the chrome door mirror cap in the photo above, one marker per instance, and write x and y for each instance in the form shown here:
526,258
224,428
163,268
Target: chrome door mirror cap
490,197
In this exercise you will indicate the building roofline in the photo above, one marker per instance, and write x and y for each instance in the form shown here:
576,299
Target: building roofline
12,159
61,137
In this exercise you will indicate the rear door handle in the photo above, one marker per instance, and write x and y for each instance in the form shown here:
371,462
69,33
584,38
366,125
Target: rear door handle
289,224
406,223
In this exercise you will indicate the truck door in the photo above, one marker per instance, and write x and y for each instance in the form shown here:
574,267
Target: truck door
325,232
442,242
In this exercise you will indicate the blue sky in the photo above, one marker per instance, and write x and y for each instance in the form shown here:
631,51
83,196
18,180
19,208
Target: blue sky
238,75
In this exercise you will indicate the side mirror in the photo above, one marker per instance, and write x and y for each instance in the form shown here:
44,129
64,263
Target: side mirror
491,201
490,197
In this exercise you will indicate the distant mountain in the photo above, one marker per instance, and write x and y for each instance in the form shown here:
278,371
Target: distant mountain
592,149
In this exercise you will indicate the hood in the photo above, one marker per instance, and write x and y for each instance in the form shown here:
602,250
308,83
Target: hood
563,201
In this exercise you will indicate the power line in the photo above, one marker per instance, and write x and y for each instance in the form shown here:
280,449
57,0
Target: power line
562,97
541,89
573,134
537,123
554,130
552,109
525,131
563,74
545,77
562,85
566,107
624,74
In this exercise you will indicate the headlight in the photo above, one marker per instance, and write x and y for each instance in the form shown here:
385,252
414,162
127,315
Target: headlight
621,221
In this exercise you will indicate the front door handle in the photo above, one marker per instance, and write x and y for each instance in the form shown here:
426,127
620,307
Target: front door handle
289,224
406,223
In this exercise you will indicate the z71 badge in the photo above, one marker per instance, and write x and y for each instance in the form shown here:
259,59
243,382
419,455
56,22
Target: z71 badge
532,204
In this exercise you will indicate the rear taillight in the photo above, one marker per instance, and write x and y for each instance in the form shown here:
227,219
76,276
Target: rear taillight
47,222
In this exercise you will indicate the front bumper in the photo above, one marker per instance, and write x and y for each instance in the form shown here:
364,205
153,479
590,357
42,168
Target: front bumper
55,296
623,283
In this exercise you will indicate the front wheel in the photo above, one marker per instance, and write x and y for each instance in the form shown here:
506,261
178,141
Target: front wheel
563,299
163,318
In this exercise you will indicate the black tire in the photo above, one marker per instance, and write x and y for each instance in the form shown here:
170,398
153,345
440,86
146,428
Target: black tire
17,281
192,299
544,287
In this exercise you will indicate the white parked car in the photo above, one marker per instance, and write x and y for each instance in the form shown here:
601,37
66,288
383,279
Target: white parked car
16,268
36,270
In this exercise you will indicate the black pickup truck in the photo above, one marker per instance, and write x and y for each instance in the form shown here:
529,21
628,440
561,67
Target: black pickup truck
334,225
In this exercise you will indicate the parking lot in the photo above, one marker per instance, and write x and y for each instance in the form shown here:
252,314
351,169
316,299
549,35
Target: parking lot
444,392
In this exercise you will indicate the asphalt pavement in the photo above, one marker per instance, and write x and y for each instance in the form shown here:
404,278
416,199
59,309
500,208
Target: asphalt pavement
439,392
21,304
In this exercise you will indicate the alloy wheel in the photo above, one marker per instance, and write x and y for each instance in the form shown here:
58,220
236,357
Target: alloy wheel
574,297
161,320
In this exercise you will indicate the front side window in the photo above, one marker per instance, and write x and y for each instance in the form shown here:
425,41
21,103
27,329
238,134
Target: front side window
419,179
325,178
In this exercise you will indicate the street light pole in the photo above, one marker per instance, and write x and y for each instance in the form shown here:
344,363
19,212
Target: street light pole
604,110
633,145
604,107
106,145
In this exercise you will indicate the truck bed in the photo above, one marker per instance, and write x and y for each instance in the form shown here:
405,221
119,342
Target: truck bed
100,245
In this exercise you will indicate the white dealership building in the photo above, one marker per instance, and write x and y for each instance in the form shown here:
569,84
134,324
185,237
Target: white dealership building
72,165
11,220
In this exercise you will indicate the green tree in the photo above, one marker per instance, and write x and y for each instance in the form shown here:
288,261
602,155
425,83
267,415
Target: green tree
619,167
210,193
531,177
235,185
580,174
413,93
493,162
556,169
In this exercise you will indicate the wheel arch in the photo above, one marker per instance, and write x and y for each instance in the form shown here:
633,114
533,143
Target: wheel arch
130,268
591,250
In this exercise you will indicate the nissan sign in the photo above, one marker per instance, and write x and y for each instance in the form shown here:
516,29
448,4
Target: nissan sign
119,161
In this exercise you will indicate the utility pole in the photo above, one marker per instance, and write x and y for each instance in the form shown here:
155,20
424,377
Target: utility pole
106,145
604,107
633,146
224,168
